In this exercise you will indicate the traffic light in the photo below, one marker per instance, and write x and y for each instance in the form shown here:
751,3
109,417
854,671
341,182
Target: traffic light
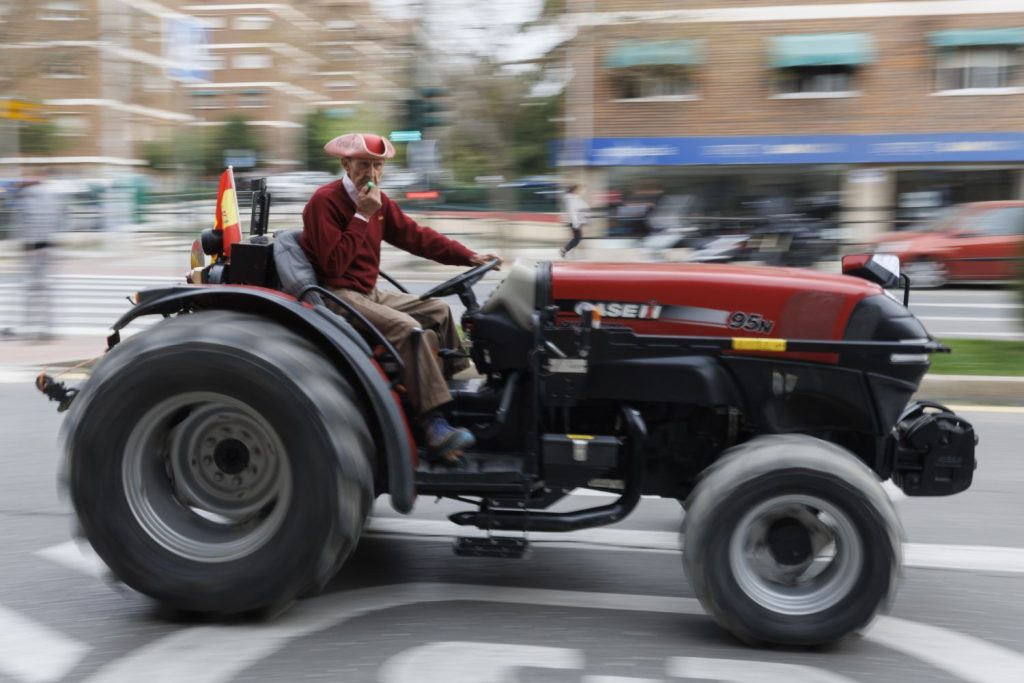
426,110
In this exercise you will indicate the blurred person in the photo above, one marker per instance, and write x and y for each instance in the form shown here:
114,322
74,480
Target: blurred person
343,225
37,217
574,214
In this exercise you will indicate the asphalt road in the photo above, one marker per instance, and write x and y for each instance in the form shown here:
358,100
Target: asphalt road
611,606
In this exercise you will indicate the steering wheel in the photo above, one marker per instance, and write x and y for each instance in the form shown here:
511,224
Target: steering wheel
460,282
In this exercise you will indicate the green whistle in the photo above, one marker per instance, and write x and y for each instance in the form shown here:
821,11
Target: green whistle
369,185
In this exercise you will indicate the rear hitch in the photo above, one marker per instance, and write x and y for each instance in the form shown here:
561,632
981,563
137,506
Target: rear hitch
56,391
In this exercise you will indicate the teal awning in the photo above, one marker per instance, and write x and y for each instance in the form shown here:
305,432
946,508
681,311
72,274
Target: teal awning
976,37
653,53
821,49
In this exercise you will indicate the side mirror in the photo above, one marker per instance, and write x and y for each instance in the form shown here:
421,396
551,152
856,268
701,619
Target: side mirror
882,269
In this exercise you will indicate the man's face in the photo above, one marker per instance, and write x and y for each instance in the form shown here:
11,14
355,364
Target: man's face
362,171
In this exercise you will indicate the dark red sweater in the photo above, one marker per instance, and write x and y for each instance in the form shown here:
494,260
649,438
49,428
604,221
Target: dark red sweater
345,250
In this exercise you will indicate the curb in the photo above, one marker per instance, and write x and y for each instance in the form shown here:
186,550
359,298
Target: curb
1001,391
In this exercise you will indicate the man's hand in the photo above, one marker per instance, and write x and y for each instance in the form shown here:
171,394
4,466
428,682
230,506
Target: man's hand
368,200
481,259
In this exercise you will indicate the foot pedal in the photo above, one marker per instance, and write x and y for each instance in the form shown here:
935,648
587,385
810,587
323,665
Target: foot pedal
492,546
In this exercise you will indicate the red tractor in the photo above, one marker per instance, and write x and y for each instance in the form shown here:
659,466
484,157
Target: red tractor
225,459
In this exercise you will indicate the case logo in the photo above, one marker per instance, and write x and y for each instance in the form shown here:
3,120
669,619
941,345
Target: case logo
617,309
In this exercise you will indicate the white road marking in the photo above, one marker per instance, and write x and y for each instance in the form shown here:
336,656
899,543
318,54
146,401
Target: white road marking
964,304
618,679
35,653
972,659
473,662
961,318
197,654
978,558
76,556
741,671
1010,410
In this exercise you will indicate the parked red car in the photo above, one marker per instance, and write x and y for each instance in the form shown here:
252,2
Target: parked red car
978,242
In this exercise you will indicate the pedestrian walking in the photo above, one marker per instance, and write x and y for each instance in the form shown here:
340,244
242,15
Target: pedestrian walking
574,215
37,217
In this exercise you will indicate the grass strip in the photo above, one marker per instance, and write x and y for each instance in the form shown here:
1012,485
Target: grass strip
980,357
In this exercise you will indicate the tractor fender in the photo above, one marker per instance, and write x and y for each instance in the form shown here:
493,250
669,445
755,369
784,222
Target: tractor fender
346,349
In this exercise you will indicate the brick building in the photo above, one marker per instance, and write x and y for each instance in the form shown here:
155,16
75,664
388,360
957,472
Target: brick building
895,107
112,75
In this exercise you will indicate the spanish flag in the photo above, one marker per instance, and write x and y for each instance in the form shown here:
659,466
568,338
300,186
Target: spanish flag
226,218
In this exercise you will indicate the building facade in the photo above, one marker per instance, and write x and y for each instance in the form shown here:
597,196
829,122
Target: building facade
112,75
896,108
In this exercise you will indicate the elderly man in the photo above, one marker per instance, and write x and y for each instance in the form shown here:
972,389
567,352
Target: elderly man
343,225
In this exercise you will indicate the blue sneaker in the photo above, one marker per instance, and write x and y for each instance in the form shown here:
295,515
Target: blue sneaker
446,443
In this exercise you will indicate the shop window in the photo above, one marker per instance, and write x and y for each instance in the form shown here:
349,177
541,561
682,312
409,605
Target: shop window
834,79
980,68
1000,222
340,25
339,85
211,62
62,10
653,82
251,61
252,22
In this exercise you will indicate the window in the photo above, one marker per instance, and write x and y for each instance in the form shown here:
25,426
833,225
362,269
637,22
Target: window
251,61
71,125
644,82
64,66
977,68
815,79
214,23
252,22
211,62
206,99
62,10
340,25
1000,222
339,85
254,99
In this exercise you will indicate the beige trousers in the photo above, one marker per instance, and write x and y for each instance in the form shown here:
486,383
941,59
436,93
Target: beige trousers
398,316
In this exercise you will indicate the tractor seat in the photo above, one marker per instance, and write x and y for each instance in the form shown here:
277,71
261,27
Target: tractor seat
516,294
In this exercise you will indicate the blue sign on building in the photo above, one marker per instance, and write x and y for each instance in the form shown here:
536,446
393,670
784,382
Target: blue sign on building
795,149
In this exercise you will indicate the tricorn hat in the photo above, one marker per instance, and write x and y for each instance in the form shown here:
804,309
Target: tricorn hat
360,146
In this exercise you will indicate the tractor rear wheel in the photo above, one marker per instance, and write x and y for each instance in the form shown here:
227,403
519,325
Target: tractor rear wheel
219,464
791,540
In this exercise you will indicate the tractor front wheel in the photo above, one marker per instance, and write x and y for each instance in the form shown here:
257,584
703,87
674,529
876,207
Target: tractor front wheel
791,540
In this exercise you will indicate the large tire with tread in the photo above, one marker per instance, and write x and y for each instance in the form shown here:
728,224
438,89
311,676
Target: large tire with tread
219,464
791,540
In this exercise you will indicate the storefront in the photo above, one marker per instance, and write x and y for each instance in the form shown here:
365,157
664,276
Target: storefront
879,181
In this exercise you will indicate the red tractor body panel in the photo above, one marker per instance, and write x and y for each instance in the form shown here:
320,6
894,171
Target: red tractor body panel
713,300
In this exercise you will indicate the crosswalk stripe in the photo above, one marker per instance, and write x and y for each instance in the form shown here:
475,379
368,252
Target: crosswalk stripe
35,653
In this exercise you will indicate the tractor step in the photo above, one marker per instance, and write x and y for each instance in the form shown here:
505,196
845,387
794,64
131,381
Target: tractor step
505,547
482,474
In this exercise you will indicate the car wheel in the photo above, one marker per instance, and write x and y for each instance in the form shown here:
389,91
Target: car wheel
926,273
791,540
218,463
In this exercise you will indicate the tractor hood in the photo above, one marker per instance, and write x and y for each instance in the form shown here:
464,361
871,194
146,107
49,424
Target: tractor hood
713,300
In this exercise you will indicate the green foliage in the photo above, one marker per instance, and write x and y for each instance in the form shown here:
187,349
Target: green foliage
980,357
38,139
321,127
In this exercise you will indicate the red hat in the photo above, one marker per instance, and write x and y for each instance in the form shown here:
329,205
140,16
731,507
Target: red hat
360,146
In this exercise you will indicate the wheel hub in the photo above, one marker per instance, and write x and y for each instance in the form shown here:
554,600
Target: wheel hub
789,542
207,477
796,554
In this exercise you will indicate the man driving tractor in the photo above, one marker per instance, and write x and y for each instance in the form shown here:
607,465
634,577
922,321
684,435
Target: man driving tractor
343,225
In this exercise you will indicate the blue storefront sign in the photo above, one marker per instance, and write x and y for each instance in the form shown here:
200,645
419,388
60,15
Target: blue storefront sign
795,149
